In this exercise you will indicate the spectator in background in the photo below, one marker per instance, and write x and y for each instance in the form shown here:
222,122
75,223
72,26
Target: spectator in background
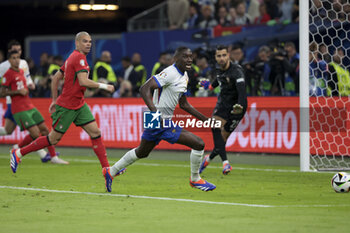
258,73
129,74
264,16
204,74
177,13
223,3
194,17
318,72
286,10
56,65
232,16
207,21
339,82
291,65
44,84
295,13
32,67
165,60
204,68
242,17
223,19
125,90
237,55
139,69
252,8
210,3
272,8
324,53
103,69
2,56
44,64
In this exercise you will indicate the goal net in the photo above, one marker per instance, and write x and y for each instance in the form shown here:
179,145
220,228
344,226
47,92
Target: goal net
329,84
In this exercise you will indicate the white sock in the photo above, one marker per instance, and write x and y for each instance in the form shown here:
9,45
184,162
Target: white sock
208,159
42,153
128,159
18,153
3,131
224,162
196,159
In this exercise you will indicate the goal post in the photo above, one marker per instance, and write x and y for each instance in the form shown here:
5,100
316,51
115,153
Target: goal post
324,32
304,85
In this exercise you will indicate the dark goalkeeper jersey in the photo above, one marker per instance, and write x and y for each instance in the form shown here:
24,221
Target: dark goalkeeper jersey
232,87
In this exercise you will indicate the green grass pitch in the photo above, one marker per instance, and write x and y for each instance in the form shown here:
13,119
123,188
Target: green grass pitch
154,195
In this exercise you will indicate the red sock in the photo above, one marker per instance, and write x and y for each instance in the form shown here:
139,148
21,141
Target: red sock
52,151
100,151
26,140
39,143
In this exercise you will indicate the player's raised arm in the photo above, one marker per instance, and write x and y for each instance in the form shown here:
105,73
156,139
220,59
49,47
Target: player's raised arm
185,105
84,81
146,93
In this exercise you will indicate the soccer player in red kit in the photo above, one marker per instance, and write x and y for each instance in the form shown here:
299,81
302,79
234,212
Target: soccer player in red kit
70,106
24,113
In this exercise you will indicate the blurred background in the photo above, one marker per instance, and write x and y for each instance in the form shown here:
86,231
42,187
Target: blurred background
142,35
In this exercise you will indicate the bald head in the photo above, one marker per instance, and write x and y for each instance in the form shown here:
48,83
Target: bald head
79,35
83,42
106,56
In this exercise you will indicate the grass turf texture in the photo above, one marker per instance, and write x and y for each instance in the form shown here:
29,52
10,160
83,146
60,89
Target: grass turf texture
299,202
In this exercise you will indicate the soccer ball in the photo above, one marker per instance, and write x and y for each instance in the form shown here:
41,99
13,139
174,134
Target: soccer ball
341,182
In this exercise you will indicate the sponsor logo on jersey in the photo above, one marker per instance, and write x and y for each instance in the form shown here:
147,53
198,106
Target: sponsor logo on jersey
82,62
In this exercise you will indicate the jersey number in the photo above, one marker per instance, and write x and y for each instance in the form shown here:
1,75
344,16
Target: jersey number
19,85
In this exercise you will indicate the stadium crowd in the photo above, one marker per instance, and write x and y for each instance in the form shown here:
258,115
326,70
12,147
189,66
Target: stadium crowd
273,72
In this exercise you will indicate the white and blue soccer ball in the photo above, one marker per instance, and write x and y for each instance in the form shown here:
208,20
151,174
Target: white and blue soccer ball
341,182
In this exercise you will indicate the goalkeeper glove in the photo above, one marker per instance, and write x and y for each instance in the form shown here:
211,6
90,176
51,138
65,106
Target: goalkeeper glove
205,84
237,109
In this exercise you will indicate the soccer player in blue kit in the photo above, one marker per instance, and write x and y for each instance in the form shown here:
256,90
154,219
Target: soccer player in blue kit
169,87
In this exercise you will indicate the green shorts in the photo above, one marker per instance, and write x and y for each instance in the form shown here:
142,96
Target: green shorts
63,117
29,118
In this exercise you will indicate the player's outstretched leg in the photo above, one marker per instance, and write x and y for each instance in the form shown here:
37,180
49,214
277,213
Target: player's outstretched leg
118,168
196,143
196,181
14,160
203,185
106,171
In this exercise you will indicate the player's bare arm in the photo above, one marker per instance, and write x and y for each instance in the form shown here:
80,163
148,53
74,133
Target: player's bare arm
146,93
84,81
7,92
185,105
54,87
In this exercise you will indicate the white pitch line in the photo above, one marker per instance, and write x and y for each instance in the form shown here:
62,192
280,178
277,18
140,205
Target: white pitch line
166,165
136,196
169,199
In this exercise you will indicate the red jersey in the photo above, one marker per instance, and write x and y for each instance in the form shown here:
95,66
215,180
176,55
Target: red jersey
72,96
15,80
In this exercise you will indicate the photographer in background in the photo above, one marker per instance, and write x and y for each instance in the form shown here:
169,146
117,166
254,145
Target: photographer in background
292,67
258,73
277,75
